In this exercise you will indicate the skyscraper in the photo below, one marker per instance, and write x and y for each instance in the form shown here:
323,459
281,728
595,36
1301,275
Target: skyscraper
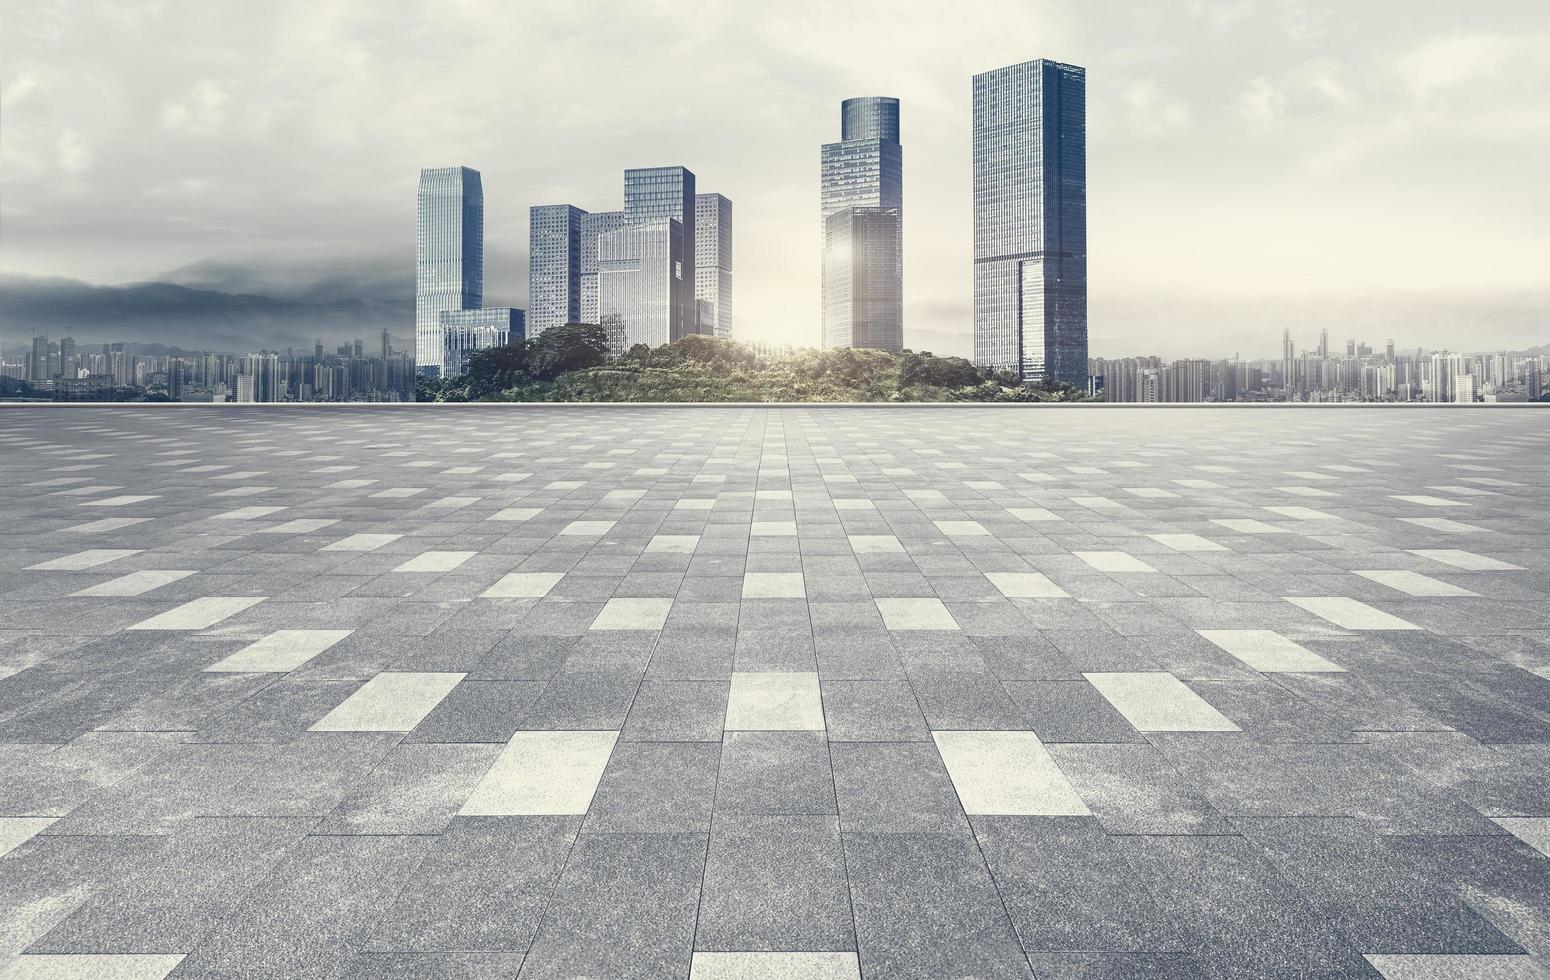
593,227
554,266
640,269
861,201
655,249
713,261
449,255
668,192
1030,221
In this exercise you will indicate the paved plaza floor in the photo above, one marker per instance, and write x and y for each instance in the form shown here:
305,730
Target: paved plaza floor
808,693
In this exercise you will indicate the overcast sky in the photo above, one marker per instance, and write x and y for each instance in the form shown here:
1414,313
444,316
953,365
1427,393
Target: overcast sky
1371,166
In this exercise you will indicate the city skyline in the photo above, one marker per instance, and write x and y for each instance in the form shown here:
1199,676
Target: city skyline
1320,127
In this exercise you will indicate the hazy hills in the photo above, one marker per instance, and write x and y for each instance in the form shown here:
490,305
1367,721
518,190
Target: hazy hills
192,319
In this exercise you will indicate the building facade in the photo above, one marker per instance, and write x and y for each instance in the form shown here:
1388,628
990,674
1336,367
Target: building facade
465,331
861,202
713,263
568,244
863,302
640,279
593,227
554,267
1030,221
656,193
449,254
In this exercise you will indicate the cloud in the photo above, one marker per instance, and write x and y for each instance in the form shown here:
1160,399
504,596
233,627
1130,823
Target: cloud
74,154
1262,103
1152,112
201,112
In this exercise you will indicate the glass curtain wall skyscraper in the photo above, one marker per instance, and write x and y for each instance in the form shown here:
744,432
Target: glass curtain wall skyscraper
554,266
449,255
861,201
668,192
566,280
1030,221
713,262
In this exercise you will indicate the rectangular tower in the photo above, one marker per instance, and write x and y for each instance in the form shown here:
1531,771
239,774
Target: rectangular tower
1030,221
554,267
652,193
449,255
594,226
640,272
863,259
713,262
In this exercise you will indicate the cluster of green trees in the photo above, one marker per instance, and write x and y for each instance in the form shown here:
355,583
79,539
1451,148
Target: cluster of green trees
571,363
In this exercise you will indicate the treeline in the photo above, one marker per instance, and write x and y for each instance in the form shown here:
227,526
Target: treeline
571,363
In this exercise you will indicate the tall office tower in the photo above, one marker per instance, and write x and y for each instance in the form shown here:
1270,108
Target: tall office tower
713,263
593,227
449,255
1030,221
554,267
640,282
386,348
37,365
863,303
861,210
652,193
1288,361
1323,343
68,361
465,331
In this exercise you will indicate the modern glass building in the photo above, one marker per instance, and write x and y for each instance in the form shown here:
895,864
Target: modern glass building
863,303
713,263
449,254
640,272
568,247
863,259
593,227
464,331
668,192
554,266
1030,221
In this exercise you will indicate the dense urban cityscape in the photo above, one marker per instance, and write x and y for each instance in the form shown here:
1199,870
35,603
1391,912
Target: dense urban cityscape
661,270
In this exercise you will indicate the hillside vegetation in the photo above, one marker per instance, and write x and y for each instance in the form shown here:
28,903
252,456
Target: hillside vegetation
571,363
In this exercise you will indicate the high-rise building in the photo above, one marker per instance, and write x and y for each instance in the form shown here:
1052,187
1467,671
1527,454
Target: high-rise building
38,367
713,263
687,269
593,227
861,202
554,266
863,304
640,278
449,255
652,193
1030,221
465,331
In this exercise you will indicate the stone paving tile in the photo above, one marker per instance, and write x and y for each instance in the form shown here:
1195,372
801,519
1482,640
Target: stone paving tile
737,692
